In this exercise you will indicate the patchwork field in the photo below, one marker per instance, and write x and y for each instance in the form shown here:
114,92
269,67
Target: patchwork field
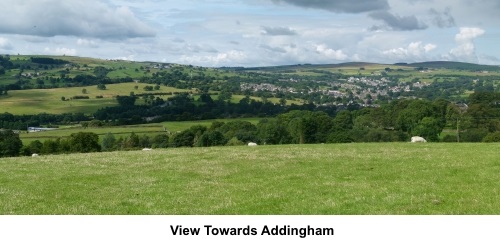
37,101
391,178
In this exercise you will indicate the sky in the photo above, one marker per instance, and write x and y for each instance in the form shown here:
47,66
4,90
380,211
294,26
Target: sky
250,33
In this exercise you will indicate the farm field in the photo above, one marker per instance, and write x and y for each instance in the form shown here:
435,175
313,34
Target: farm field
382,178
123,131
37,101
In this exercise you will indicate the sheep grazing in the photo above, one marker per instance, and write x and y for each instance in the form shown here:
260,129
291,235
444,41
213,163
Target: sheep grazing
417,139
147,149
34,155
252,144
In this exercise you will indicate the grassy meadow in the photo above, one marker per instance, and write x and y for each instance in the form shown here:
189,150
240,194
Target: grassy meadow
37,101
382,178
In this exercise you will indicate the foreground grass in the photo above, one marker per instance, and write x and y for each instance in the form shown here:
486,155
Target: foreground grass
393,178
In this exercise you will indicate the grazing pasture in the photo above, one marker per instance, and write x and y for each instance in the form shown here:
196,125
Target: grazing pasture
382,178
50,101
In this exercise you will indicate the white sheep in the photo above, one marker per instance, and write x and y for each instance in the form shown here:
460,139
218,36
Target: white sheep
252,144
417,139
147,149
34,155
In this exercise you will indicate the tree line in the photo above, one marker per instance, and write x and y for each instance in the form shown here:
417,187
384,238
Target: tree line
397,121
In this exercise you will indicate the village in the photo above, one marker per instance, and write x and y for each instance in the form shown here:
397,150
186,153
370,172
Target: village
362,90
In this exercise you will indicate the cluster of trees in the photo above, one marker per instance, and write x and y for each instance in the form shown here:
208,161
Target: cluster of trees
397,121
183,107
5,64
3,90
21,122
10,144
82,142
134,141
480,121
48,61
308,124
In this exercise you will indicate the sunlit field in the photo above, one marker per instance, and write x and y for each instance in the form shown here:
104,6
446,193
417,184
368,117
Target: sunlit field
382,178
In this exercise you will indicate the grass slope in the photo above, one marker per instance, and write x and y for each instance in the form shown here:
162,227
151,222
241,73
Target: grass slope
395,178
37,101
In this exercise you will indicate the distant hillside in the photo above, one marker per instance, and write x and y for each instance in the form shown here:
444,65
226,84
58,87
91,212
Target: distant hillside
453,66
302,66
461,66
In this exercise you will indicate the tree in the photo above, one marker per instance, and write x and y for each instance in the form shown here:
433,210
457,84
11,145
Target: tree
160,141
492,137
273,132
211,138
132,141
10,144
126,101
108,142
50,147
234,142
84,91
84,142
283,102
145,141
35,146
207,99
101,86
188,137
343,121
414,112
428,128
100,72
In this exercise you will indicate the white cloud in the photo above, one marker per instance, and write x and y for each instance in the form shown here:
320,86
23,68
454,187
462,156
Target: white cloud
60,51
126,58
229,58
330,53
87,43
466,49
251,32
468,34
414,51
5,44
91,18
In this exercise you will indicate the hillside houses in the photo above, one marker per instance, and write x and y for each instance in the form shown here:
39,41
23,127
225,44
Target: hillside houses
362,89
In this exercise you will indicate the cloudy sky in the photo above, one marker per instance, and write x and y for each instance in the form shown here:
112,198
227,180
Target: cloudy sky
249,33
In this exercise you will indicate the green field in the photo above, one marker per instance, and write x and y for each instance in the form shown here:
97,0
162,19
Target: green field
391,178
37,101
124,131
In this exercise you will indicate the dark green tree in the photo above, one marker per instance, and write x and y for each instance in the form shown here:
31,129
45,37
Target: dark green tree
160,141
50,147
84,142
126,101
211,138
108,142
10,144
